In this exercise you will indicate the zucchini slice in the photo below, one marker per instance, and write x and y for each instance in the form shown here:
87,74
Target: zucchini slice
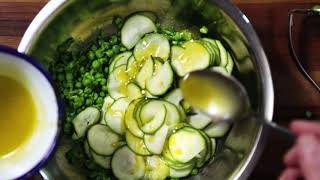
84,120
127,165
134,28
133,67
214,146
223,54
130,120
121,59
220,69
115,115
206,153
199,121
185,144
155,142
102,140
108,101
133,91
136,144
175,97
171,162
145,73
117,82
229,66
190,57
160,82
152,45
173,116
103,161
217,130
211,43
155,168
152,116
180,173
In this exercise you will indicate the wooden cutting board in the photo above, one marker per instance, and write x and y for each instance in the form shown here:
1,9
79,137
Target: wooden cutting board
293,94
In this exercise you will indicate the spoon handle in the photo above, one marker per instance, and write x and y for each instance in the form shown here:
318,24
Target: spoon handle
275,126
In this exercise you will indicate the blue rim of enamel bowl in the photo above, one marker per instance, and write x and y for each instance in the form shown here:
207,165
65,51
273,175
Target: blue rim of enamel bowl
60,104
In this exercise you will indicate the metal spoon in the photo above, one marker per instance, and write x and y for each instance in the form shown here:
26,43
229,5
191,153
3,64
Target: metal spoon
221,97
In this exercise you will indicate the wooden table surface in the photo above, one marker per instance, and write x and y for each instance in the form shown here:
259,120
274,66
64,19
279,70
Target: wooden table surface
293,94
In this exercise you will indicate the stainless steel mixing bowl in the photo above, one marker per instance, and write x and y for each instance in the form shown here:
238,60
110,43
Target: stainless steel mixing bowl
238,154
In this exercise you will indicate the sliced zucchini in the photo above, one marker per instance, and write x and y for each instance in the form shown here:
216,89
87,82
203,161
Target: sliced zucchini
145,73
102,140
152,116
155,142
108,101
214,49
87,149
175,97
134,28
185,144
220,69
103,161
191,57
84,120
155,168
121,59
133,67
217,130
133,91
127,165
186,106
160,82
214,146
205,155
223,54
180,173
115,115
136,144
229,66
152,45
199,121
117,82
173,116
130,120
173,163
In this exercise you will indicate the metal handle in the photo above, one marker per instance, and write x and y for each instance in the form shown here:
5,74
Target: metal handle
313,11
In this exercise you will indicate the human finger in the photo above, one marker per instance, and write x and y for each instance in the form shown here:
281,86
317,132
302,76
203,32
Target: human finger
290,174
302,127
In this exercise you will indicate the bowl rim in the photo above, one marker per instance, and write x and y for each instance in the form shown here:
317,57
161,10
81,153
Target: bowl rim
245,26
60,107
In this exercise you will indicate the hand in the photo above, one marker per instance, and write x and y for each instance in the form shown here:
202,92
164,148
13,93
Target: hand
303,159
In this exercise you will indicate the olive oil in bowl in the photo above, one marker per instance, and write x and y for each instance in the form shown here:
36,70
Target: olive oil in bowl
18,115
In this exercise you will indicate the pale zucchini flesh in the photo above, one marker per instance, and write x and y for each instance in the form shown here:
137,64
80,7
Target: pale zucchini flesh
84,120
127,165
114,117
135,28
102,140
136,144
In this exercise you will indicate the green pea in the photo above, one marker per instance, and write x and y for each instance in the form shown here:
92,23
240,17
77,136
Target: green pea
99,53
82,70
105,88
122,49
91,55
116,49
204,30
177,36
99,100
88,102
113,40
106,45
103,81
109,53
78,85
67,128
96,64
69,76
94,47
174,42
102,94
86,82
87,90
61,77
